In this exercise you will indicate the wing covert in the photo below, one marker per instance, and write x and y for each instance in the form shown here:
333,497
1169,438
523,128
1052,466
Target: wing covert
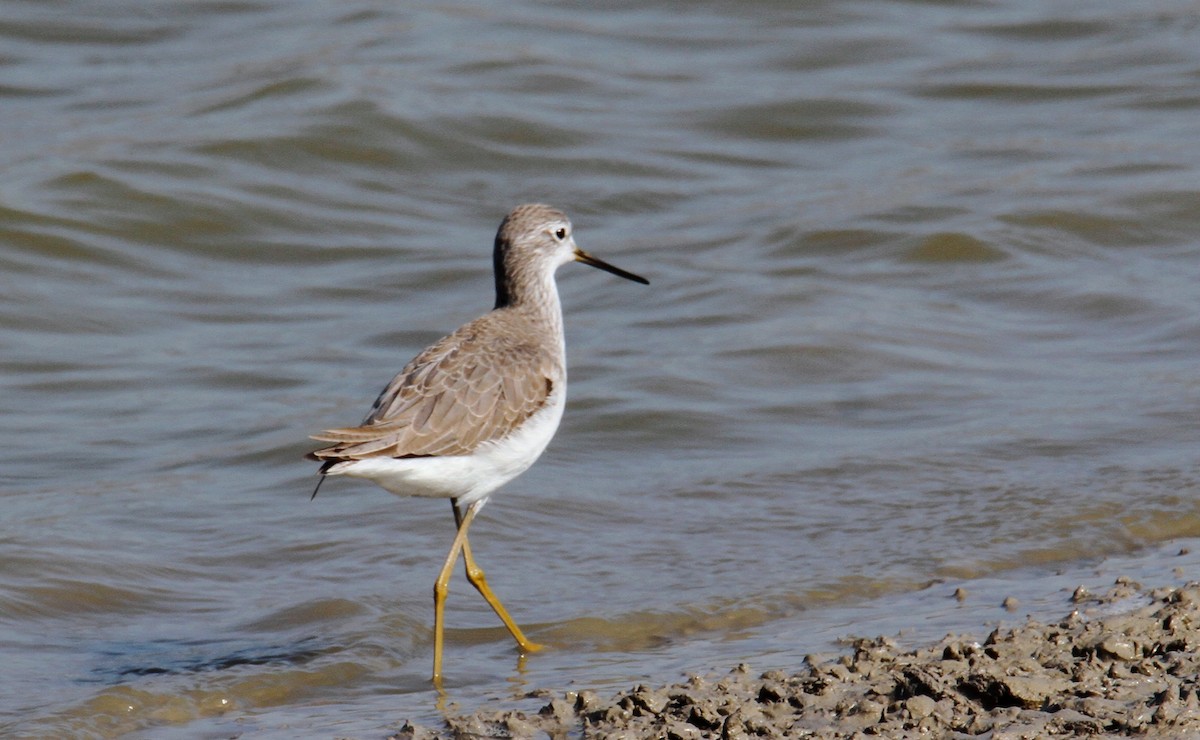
471,387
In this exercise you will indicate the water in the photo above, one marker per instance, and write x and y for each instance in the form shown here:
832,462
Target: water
925,310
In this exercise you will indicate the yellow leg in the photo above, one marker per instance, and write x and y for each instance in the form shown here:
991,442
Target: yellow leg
441,587
479,581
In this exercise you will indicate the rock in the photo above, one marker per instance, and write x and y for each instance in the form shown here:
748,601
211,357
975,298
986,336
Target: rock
585,701
920,707
705,715
1030,692
1116,646
644,700
560,710
677,730
772,692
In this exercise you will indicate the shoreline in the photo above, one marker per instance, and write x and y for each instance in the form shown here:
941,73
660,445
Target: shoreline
1098,671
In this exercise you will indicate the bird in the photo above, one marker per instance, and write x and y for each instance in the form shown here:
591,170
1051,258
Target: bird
476,408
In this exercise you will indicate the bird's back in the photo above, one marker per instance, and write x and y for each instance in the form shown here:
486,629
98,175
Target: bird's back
474,386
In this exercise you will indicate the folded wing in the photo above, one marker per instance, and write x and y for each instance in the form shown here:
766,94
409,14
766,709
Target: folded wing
472,387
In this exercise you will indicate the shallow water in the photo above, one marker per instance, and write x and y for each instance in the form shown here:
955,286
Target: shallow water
925,307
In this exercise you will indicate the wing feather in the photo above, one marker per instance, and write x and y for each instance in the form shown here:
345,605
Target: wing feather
474,386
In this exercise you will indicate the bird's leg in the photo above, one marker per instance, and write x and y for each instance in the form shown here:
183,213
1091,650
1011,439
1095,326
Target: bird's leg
479,581
441,587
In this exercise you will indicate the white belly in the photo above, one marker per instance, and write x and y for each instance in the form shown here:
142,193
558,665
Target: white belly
468,478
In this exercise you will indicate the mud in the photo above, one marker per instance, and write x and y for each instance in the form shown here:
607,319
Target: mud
1092,674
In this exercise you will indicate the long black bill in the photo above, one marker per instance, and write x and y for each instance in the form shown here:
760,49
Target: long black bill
587,259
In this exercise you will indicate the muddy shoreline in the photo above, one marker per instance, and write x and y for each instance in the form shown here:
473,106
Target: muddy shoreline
1097,672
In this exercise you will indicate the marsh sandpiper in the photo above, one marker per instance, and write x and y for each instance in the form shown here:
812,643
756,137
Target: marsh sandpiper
478,407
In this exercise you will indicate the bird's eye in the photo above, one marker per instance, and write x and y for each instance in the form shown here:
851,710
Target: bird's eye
560,233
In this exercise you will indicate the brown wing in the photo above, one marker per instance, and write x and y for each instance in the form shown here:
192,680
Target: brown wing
473,386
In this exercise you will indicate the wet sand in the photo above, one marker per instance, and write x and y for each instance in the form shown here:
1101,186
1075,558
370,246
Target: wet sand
1103,670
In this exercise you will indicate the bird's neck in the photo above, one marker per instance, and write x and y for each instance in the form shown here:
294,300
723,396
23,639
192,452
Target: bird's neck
535,298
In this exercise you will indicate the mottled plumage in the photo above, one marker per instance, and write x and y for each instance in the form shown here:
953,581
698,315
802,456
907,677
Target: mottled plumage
476,385
475,409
